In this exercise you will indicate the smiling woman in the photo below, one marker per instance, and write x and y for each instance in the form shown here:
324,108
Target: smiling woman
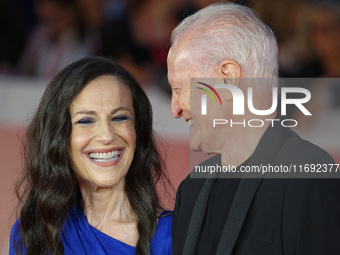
91,167
103,137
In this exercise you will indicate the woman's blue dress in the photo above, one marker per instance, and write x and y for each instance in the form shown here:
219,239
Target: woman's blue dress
79,237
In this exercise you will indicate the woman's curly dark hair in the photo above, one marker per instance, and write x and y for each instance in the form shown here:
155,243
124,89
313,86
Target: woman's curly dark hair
49,185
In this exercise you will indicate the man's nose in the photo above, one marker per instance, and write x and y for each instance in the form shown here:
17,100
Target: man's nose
176,110
106,133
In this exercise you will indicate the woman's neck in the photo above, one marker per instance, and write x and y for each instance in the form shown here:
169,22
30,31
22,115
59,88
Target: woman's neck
106,205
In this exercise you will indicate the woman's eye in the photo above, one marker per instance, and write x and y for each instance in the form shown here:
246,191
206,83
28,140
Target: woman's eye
120,118
85,121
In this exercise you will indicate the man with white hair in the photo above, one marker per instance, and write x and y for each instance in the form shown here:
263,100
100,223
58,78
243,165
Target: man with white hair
229,42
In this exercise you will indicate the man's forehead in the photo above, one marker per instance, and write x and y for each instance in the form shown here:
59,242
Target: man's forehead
180,56
180,60
183,42
179,74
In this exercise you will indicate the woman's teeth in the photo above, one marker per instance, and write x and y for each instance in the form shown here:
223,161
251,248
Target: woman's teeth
105,157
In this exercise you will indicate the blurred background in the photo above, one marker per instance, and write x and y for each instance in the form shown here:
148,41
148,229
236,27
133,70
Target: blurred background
40,37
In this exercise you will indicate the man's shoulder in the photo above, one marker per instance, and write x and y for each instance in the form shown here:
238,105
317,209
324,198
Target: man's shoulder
298,149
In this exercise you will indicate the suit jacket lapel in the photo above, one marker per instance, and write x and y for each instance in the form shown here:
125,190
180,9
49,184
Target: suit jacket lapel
197,219
200,210
268,146
238,211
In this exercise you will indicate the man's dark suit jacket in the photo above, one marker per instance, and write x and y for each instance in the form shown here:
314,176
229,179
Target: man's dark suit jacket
268,216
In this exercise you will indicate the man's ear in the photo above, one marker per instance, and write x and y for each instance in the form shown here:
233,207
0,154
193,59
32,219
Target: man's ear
229,69
231,72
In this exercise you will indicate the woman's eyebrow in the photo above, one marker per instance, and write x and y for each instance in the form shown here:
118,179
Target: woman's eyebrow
85,112
121,108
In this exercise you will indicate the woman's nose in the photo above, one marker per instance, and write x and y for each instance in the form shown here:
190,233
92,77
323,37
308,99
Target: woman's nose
106,133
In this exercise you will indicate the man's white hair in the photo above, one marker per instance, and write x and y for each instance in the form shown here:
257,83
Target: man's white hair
230,31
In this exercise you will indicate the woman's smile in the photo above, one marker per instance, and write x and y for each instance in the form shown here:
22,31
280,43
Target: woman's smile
106,158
